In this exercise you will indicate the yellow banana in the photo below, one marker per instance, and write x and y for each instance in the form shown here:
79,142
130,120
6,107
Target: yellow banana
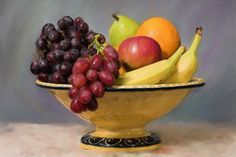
153,73
187,65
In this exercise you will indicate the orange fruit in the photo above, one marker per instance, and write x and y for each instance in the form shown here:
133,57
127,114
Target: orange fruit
164,32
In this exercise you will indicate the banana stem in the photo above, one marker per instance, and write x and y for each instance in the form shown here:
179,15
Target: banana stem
196,40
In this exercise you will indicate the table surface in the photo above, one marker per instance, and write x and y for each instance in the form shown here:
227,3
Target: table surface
62,140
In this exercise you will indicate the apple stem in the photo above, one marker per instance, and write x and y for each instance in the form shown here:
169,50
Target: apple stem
115,17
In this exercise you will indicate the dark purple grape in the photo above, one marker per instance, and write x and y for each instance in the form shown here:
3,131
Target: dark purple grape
55,46
51,58
84,52
54,36
65,45
73,92
35,67
43,77
58,54
92,51
90,36
93,105
110,65
78,21
56,67
58,78
72,33
65,68
76,106
96,62
44,66
48,27
92,75
101,39
85,95
41,44
75,43
83,41
68,20
71,56
83,27
97,89
62,24
50,78
107,78
110,52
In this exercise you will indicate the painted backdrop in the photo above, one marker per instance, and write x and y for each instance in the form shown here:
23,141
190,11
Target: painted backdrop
21,21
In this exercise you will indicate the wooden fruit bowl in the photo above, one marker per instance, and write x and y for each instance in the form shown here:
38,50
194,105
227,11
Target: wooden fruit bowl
123,113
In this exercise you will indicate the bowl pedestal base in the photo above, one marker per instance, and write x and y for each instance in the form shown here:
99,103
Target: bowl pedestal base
149,141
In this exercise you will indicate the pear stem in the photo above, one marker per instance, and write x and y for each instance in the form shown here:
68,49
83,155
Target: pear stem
115,17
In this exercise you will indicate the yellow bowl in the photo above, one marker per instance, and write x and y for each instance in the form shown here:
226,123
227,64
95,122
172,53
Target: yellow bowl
123,113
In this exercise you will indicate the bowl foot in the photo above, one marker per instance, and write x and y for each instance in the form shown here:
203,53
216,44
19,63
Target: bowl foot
144,143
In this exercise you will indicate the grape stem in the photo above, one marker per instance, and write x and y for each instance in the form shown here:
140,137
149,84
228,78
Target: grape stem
95,44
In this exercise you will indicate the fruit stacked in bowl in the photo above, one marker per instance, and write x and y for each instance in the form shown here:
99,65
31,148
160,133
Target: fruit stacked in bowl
110,82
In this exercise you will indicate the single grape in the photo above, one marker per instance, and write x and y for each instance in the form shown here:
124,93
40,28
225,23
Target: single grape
55,46
90,36
78,21
62,24
71,55
65,45
81,66
73,92
75,43
41,44
110,52
58,54
97,89
68,20
106,77
92,75
54,36
85,95
78,80
72,33
84,52
35,67
83,27
48,27
65,68
111,66
55,67
93,105
58,78
44,66
96,62
76,106
43,77
51,58
101,39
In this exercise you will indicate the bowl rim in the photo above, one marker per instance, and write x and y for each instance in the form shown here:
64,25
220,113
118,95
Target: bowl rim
195,82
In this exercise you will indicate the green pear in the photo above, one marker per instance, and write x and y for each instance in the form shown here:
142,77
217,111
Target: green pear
122,28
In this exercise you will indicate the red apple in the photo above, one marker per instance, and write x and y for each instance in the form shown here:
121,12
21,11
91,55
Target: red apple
139,51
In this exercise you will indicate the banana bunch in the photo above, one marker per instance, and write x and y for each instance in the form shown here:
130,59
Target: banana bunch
176,69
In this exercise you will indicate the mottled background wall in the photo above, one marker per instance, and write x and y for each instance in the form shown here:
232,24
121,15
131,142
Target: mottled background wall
21,20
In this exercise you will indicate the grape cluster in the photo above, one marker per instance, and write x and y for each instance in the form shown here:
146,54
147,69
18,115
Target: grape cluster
89,78
57,49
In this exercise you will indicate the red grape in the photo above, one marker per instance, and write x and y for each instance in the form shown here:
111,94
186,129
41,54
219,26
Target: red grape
73,92
65,68
106,78
85,95
76,106
110,52
97,89
93,105
79,80
92,75
80,66
96,62
78,21
111,65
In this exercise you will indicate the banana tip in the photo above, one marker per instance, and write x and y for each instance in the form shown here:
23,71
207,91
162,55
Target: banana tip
199,30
